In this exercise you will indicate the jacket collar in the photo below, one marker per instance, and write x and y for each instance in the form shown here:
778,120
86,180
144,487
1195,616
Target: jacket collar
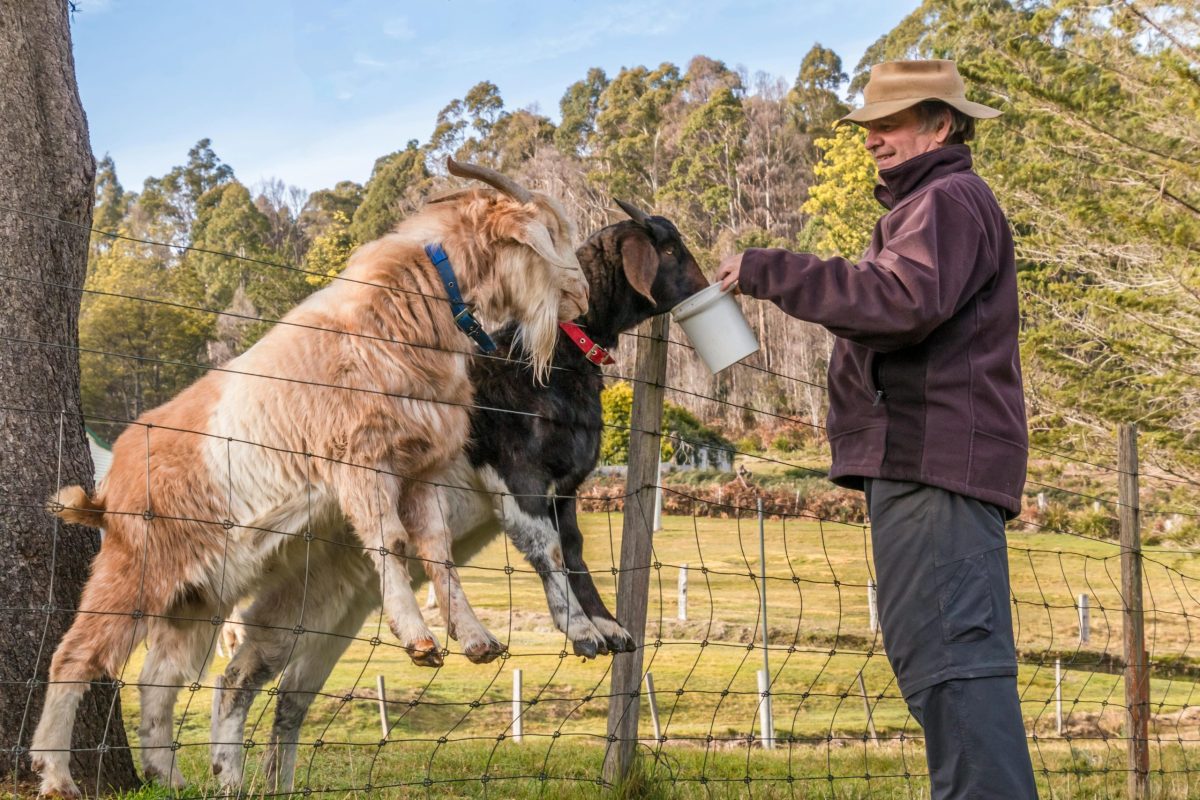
896,183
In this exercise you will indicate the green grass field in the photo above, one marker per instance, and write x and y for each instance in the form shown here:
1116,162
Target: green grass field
447,724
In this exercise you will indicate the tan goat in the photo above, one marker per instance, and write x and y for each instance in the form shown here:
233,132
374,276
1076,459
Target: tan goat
328,419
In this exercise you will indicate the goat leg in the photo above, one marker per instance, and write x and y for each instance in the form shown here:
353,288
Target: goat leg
426,523
617,638
527,518
371,501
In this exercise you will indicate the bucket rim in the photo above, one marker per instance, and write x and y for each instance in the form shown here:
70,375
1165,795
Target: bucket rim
700,301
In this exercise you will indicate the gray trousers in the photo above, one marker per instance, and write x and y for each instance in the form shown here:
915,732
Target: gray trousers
943,594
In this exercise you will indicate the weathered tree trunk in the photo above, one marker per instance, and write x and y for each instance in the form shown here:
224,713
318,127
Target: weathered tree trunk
46,167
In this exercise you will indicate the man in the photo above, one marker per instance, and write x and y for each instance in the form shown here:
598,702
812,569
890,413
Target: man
927,416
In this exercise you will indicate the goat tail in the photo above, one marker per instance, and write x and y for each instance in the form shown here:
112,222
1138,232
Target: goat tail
73,505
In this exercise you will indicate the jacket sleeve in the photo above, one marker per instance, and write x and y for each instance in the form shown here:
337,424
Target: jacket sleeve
934,258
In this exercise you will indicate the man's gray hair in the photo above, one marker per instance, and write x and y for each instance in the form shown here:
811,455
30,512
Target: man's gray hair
930,113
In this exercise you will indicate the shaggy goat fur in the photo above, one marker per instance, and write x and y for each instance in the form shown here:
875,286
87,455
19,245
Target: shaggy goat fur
514,467
308,430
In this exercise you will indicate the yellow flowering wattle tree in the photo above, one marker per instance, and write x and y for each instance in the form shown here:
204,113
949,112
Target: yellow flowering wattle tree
841,207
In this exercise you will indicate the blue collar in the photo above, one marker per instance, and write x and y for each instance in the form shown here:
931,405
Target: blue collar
463,317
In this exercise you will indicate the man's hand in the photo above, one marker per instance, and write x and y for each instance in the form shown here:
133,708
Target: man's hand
728,272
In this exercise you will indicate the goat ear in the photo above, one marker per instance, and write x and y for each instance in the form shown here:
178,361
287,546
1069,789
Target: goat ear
535,236
640,260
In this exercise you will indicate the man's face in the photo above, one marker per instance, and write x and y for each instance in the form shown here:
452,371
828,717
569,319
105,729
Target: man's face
895,139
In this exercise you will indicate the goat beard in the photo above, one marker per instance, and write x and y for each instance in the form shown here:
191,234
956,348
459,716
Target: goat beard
537,335
521,277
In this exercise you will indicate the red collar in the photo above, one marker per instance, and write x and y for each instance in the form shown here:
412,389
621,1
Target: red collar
591,351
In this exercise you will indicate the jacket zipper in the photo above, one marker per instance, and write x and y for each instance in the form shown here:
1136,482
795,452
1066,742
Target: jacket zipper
876,383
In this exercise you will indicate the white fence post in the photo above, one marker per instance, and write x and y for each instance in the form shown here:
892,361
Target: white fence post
653,698
862,687
381,694
682,603
518,724
766,720
872,606
658,500
1058,719
1084,620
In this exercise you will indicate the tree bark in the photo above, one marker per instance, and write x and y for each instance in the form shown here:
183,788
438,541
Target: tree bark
46,168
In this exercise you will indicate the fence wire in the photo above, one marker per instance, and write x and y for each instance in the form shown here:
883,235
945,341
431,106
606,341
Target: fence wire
372,721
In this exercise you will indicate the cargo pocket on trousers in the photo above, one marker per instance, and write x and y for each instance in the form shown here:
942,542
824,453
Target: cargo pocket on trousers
965,600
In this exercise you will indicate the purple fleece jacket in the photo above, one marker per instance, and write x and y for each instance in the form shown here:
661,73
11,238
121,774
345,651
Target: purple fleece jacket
925,376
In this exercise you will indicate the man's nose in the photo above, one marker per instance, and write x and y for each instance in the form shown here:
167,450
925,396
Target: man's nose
873,140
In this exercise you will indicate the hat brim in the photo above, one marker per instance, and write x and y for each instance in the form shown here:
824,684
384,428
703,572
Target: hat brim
874,111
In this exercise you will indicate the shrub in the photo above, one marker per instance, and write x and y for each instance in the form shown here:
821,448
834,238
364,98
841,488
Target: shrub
1096,524
750,443
682,431
616,403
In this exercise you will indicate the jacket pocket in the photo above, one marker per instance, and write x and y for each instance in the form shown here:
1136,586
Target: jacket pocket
872,377
965,599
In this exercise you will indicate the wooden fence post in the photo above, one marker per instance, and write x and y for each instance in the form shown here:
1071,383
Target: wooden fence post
1137,671
633,584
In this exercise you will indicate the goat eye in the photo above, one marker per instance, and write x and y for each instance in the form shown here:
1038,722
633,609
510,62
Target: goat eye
669,251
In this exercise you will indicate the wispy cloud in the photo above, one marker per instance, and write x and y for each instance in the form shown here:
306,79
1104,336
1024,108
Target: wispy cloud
586,32
398,28
364,60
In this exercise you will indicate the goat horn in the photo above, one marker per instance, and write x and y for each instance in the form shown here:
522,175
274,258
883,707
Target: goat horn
492,178
635,213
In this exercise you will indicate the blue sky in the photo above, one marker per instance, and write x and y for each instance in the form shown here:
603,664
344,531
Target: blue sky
313,92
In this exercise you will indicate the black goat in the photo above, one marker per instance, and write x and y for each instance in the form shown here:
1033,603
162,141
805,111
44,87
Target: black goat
532,466
519,474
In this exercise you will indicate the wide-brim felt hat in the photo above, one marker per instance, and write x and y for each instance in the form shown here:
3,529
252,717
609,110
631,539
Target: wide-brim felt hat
897,85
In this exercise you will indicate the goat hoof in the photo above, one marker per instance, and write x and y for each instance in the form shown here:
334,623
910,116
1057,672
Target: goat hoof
622,645
171,778
586,649
66,790
63,793
425,653
485,652
616,638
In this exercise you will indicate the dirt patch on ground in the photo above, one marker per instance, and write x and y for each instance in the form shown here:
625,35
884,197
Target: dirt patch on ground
1110,724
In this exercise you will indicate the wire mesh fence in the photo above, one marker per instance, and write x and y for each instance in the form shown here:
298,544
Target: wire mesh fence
760,669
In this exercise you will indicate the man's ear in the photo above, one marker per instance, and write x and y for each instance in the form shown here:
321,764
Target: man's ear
943,129
640,261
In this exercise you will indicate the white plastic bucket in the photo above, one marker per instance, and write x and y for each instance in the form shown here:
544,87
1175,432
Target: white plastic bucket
713,322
